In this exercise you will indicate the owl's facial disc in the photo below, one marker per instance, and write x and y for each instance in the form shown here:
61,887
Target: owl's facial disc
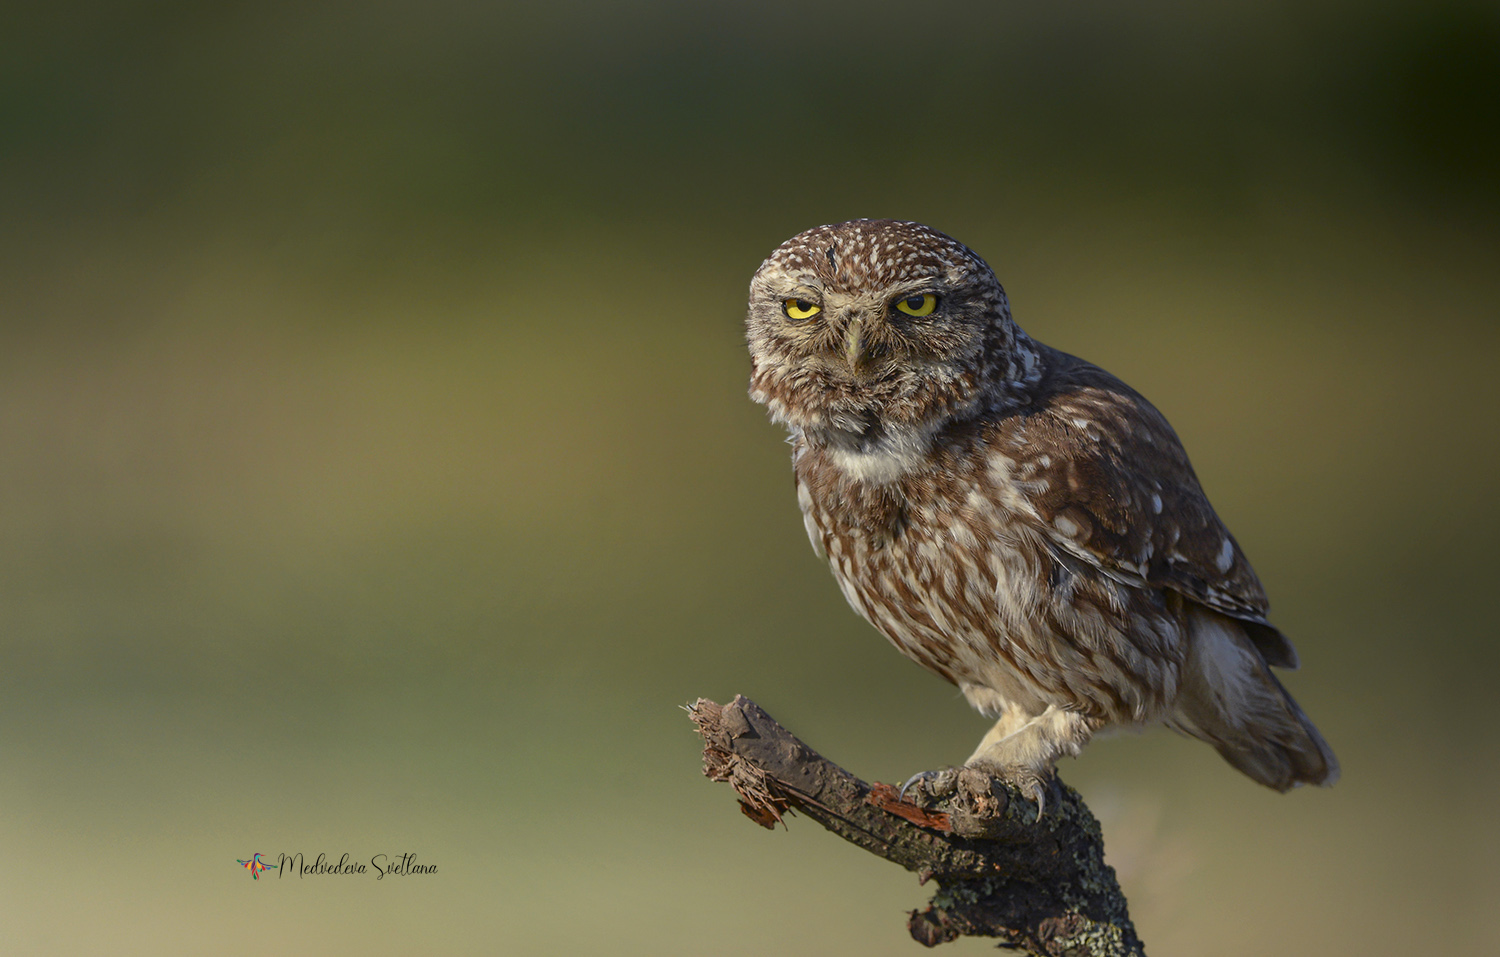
874,319
849,336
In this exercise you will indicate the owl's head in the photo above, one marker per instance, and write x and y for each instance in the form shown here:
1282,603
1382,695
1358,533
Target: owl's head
879,323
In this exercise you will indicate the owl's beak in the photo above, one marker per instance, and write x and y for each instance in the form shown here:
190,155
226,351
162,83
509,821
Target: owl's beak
856,350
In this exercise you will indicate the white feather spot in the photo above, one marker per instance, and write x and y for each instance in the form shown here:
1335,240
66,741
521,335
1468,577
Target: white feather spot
1226,556
899,453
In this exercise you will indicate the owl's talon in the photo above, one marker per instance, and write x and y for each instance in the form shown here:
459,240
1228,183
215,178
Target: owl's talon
923,776
1048,786
1034,787
933,782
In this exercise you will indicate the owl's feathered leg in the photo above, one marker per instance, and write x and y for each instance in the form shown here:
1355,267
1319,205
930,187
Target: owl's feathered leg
1022,749
1012,719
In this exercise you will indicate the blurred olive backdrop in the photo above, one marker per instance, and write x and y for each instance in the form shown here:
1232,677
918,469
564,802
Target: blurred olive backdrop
377,473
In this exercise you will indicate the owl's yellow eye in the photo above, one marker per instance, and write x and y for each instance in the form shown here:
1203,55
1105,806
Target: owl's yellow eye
800,309
918,306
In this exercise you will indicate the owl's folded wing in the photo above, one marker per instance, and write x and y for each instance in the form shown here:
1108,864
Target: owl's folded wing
1108,479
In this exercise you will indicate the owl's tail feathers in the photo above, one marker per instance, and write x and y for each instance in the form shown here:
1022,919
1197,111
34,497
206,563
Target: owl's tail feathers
1229,698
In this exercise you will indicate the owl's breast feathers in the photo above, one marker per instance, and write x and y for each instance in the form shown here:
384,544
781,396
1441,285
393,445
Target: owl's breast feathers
1085,487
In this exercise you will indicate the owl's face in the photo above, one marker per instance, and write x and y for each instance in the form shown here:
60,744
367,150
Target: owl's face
875,322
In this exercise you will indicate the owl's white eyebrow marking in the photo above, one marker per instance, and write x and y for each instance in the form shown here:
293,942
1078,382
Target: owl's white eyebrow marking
806,283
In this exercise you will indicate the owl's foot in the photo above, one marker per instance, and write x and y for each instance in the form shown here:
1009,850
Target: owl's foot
1021,751
977,793
1036,786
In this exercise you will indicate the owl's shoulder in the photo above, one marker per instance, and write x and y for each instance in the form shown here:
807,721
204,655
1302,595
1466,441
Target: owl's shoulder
1082,428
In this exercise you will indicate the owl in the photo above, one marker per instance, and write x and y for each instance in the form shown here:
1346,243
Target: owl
1012,518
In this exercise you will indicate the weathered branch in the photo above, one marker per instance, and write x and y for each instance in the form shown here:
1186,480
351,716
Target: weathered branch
1039,886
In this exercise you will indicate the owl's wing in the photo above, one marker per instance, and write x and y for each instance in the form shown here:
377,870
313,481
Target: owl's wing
1110,483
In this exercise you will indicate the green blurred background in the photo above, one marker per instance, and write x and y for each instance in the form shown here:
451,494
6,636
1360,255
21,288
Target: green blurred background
376,474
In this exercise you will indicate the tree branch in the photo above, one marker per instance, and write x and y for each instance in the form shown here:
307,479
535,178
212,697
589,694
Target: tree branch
1038,886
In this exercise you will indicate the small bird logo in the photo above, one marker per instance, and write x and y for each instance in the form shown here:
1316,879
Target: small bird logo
255,865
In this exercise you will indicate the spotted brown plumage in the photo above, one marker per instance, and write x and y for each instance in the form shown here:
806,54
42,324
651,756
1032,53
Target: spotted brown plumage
1011,517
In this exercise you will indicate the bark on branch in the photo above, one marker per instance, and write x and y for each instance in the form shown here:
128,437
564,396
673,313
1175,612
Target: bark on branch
1039,886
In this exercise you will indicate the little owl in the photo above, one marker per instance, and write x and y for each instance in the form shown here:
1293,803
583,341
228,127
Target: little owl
1012,518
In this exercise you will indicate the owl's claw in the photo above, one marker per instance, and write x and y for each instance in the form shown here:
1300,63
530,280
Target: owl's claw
933,782
1036,788
919,776
1034,785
